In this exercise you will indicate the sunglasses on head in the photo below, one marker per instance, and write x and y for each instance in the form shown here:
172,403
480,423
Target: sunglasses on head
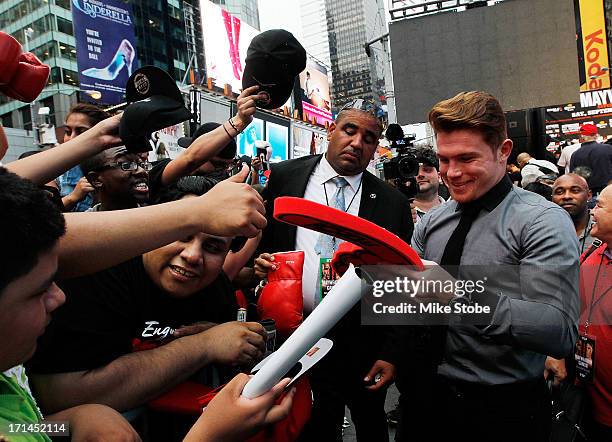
363,105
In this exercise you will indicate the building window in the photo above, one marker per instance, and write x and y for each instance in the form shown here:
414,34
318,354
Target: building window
63,4
7,120
71,77
55,76
46,51
64,26
42,25
26,117
67,51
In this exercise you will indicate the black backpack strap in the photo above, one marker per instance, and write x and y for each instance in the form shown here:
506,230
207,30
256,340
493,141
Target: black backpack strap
594,246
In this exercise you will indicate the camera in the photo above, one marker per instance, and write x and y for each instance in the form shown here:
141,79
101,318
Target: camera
405,165
403,168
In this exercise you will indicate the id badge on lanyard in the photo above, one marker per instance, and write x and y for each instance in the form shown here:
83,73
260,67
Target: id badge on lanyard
585,345
584,357
327,278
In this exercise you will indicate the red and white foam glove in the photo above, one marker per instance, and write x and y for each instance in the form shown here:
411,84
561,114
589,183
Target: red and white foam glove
281,298
22,75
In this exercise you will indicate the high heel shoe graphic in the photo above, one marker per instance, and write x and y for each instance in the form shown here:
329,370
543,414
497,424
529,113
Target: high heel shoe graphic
123,57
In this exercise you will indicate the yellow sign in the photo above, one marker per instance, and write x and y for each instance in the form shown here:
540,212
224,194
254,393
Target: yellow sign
595,46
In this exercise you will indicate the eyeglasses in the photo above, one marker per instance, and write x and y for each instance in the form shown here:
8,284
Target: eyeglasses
365,106
128,166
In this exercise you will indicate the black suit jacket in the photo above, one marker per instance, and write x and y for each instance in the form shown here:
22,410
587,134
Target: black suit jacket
381,204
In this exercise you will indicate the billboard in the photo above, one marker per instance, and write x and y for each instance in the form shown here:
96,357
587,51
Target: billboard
226,40
165,143
252,133
316,99
278,137
521,51
563,121
593,61
307,142
105,45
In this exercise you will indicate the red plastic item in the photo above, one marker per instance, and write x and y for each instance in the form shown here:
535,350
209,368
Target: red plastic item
376,245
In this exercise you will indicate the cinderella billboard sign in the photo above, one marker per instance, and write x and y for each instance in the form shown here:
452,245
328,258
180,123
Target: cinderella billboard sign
96,9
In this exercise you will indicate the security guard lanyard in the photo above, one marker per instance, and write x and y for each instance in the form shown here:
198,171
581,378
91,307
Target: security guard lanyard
586,233
350,202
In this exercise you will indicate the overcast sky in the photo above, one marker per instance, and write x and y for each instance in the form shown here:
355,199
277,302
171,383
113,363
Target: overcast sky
285,14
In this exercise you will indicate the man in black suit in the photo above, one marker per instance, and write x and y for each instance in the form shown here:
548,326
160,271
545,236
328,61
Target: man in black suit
362,361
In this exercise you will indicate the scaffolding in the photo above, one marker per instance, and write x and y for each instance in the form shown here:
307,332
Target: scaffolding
401,9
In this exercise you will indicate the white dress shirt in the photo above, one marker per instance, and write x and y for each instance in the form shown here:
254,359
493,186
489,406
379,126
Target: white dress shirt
566,155
306,239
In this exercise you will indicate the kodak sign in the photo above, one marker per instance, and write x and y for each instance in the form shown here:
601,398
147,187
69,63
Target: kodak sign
594,61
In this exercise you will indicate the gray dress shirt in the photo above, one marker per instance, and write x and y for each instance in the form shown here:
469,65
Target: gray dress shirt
530,250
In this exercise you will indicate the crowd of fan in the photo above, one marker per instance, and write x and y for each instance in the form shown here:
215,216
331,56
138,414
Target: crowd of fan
140,270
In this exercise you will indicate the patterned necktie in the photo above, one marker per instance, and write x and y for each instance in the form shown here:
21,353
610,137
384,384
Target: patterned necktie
327,245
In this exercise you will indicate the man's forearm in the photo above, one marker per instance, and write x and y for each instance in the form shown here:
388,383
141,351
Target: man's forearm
109,238
534,326
50,164
199,152
126,382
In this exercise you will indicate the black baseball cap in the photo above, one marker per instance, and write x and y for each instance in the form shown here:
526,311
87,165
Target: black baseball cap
274,59
155,103
229,151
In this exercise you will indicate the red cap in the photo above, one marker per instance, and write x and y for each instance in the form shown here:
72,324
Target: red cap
588,129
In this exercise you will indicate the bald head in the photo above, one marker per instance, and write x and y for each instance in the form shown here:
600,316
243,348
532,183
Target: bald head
522,159
572,192
571,178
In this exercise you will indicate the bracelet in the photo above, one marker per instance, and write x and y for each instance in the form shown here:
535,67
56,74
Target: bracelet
229,120
228,134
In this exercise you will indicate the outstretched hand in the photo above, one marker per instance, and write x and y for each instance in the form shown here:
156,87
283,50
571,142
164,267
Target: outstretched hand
231,417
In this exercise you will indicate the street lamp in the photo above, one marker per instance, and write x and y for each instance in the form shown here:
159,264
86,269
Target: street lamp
28,32
96,95
388,74
44,111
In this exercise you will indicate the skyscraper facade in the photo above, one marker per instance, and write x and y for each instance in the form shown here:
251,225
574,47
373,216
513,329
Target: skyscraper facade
167,32
315,37
246,10
51,39
351,24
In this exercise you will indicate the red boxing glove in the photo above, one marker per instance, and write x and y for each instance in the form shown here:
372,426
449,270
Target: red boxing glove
281,298
29,80
10,50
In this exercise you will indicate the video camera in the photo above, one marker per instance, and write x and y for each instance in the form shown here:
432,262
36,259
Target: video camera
403,168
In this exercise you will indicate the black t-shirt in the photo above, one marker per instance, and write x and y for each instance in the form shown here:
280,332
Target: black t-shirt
118,311
155,178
